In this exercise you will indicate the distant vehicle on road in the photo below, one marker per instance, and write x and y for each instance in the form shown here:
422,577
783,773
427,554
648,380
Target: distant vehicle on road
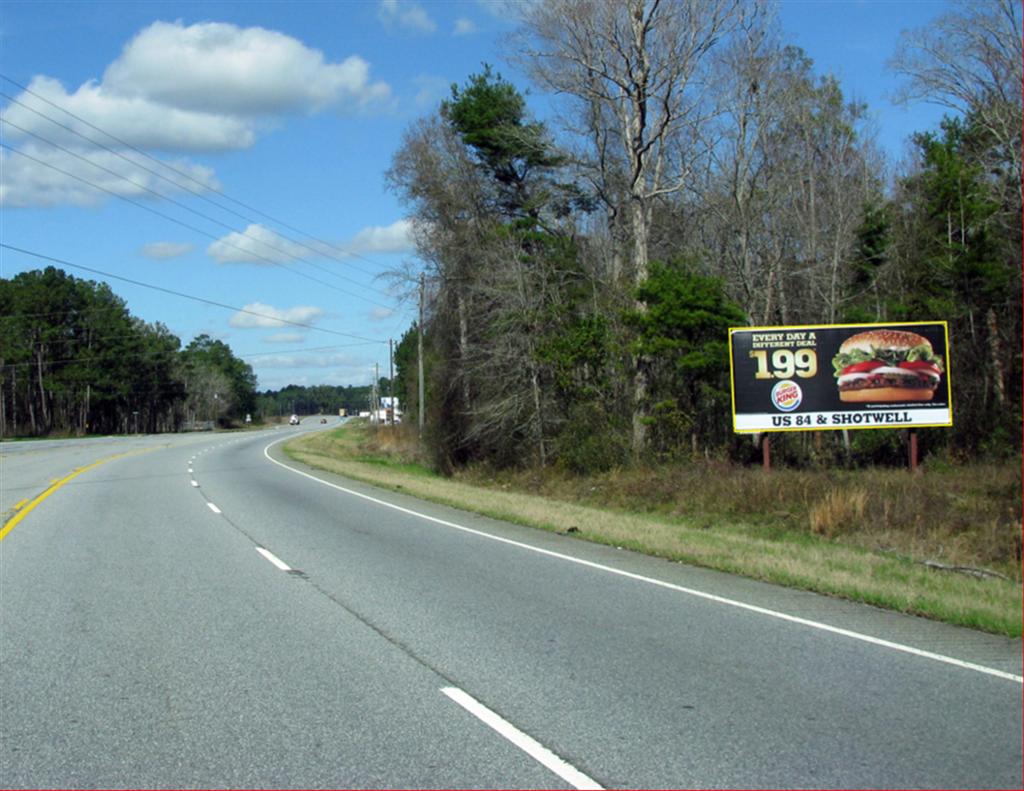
294,421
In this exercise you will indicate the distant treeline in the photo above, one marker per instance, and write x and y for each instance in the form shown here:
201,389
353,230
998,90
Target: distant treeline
319,399
73,360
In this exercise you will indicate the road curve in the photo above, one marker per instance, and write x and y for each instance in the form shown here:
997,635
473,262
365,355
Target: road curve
194,614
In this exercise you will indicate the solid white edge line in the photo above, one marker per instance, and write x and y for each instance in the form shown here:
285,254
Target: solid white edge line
527,744
906,649
213,508
273,559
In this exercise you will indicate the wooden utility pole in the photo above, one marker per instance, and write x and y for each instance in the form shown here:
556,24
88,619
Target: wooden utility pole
376,393
391,379
419,358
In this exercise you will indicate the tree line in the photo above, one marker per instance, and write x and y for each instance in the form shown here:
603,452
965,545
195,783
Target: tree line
73,360
580,277
317,399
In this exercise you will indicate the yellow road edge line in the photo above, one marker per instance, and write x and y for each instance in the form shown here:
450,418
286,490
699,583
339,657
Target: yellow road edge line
20,504
54,486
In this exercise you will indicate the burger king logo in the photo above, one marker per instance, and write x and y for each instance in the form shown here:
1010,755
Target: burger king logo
787,395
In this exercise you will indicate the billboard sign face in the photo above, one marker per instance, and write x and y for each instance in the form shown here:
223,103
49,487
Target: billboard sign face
840,376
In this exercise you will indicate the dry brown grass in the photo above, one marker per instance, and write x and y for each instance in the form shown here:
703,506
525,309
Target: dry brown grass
838,510
964,515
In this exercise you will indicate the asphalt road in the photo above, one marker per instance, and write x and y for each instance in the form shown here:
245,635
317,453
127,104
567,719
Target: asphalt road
189,612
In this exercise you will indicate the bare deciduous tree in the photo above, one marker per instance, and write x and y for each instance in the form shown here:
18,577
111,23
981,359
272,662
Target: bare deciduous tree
970,61
445,192
635,70
741,189
790,171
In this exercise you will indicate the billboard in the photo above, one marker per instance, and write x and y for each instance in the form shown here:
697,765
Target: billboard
840,376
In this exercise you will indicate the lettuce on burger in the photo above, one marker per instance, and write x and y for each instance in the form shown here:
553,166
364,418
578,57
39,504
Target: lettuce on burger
887,365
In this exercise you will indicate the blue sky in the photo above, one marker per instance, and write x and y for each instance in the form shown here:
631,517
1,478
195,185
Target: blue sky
295,110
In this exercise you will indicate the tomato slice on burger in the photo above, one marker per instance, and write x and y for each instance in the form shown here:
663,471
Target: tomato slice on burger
862,368
921,365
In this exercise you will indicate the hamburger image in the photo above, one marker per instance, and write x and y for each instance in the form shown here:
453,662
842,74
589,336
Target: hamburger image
887,365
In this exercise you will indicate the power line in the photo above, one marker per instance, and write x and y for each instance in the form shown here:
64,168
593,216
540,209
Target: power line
183,174
306,350
62,340
184,206
183,224
144,355
181,294
82,336
115,152
187,177
70,312
66,340
178,185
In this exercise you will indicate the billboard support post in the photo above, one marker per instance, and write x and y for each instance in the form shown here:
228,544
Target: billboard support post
766,452
914,469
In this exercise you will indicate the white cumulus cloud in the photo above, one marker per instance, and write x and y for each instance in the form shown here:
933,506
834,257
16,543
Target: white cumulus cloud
257,315
222,68
305,361
255,245
464,26
137,120
406,15
38,175
208,87
394,238
258,244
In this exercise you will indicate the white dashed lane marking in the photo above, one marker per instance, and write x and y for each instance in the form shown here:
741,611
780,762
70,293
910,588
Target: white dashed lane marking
273,559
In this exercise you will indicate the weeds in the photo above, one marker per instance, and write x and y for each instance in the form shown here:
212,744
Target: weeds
964,515
839,510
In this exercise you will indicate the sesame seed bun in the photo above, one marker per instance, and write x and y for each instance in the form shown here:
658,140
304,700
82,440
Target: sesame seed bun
883,339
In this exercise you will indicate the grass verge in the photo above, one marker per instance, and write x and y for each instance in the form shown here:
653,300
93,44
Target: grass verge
756,540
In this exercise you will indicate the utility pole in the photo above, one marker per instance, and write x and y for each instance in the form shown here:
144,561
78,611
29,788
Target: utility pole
419,358
376,392
391,377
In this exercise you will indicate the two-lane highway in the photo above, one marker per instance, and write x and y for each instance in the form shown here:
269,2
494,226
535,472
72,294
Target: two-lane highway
201,615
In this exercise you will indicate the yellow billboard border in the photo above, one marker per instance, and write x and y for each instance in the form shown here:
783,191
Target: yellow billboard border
732,373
